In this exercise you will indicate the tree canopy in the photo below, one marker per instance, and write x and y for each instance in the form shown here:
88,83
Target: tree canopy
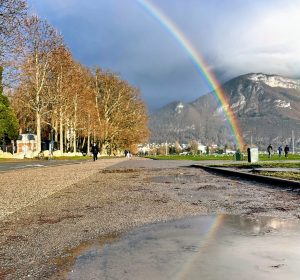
56,96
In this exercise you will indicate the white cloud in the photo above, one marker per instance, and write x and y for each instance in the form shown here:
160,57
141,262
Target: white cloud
266,40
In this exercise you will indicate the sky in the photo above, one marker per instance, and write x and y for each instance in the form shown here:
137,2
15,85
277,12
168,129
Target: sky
234,37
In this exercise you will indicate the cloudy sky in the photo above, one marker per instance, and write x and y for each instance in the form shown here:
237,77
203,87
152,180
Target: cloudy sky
233,36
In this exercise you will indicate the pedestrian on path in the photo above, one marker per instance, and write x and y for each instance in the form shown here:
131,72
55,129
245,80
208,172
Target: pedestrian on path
286,150
269,149
95,151
280,150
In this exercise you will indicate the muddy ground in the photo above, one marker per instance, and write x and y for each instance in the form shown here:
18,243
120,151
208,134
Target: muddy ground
38,240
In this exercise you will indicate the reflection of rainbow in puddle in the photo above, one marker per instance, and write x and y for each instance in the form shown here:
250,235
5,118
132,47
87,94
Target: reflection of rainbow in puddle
190,248
202,244
201,67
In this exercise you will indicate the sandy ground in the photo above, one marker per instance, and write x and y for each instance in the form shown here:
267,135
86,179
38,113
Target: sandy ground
46,213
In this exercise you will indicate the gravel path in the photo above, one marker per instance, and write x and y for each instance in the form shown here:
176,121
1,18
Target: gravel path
48,214
25,187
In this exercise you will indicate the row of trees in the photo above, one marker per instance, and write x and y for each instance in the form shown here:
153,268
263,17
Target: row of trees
57,95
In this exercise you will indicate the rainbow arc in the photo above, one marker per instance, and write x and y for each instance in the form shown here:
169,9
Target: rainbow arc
201,66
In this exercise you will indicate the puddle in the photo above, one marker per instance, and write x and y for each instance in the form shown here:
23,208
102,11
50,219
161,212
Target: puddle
206,247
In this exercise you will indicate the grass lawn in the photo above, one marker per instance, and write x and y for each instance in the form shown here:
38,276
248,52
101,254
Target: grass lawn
10,159
191,157
72,158
276,157
263,158
284,175
261,164
5,159
292,161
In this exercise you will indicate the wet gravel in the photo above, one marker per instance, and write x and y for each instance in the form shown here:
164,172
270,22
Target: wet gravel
104,199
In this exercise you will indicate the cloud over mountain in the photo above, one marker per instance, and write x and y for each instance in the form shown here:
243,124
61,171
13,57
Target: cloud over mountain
233,36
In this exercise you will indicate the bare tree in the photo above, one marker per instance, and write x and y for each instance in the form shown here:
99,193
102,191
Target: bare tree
61,65
61,94
80,108
178,148
131,120
122,115
194,147
89,115
11,14
39,40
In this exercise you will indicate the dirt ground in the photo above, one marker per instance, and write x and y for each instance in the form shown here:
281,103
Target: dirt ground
40,233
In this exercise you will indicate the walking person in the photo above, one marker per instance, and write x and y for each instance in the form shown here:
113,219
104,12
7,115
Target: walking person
286,150
95,151
280,150
269,149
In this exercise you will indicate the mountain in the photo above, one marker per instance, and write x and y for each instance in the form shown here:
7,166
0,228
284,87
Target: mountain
267,108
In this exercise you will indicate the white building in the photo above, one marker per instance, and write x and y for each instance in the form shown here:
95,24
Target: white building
26,143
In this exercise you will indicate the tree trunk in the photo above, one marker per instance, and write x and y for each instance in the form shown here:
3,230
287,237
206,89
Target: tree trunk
61,136
38,132
74,142
83,143
66,131
56,131
88,144
88,135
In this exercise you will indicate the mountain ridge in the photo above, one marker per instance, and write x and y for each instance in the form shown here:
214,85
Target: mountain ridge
265,105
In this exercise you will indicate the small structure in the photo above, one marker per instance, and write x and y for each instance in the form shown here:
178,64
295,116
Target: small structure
26,143
230,152
201,148
252,155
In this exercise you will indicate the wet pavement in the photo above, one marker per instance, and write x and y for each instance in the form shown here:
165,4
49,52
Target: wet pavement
88,221
25,164
203,247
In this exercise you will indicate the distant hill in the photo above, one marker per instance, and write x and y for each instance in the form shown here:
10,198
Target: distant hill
266,106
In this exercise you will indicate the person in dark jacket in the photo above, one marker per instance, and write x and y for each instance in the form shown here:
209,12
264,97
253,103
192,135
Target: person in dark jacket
95,151
279,151
286,150
269,149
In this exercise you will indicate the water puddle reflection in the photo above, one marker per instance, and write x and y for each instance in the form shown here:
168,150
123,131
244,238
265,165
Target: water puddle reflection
205,247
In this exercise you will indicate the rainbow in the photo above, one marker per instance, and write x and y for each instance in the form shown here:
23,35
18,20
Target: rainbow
204,242
201,67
